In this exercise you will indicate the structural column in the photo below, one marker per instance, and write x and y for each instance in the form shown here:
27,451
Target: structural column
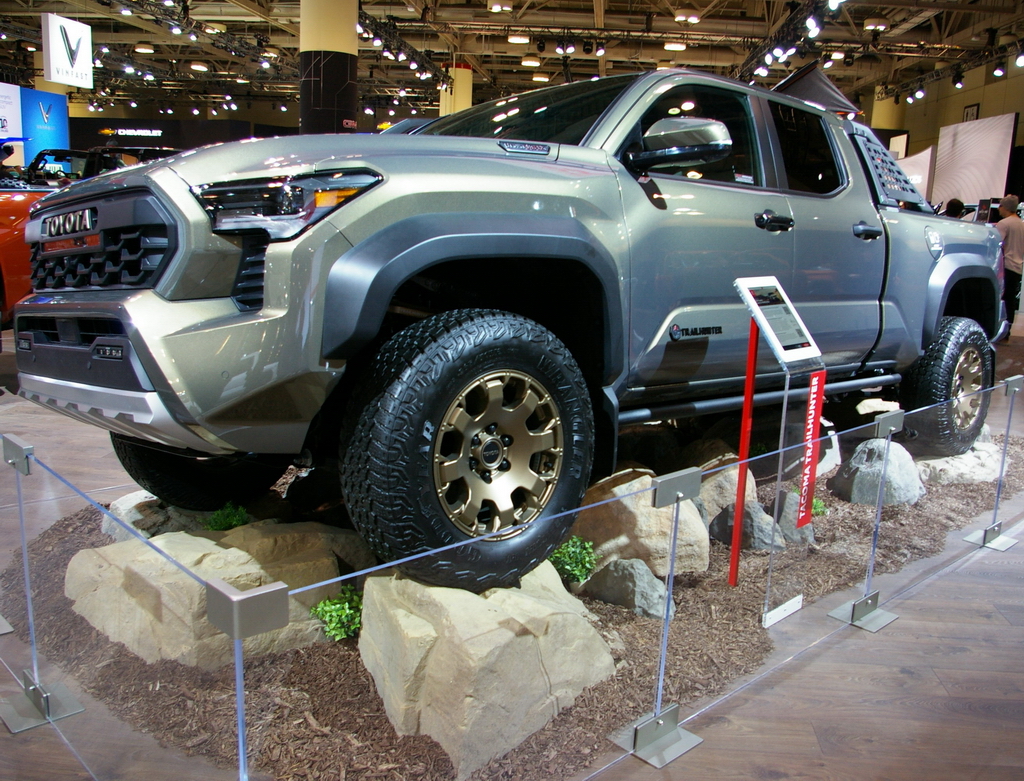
459,95
329,66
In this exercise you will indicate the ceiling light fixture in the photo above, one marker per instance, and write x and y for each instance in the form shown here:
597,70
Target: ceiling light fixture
200,67
599,51
145,48
688,14
518,38
675,46
529,61
541,77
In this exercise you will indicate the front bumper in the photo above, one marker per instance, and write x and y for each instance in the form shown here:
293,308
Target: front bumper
138,414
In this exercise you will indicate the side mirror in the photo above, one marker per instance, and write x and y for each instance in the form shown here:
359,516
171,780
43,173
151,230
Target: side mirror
681,141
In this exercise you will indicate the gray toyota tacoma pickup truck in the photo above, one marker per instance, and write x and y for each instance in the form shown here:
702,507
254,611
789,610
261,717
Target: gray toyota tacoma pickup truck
467,315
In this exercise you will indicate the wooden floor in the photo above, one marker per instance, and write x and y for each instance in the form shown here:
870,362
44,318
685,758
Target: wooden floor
938,694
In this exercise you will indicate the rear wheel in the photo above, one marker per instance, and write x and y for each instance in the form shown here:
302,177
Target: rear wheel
957,368
194,482
474,422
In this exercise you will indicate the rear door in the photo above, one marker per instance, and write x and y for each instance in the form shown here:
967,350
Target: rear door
839,243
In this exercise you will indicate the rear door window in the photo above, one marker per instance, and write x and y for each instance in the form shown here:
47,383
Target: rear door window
807,154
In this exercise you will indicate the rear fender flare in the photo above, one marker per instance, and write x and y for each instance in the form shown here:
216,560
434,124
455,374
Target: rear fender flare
949,271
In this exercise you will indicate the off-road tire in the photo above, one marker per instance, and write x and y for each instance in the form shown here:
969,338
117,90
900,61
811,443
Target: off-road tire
957,365
195,483
393,443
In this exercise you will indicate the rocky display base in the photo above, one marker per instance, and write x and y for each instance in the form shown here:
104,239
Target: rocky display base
478,673
134,595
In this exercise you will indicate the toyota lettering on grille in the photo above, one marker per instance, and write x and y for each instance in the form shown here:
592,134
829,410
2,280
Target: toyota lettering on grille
67,223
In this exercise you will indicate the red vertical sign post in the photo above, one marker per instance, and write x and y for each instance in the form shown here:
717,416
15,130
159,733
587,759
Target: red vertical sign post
741,478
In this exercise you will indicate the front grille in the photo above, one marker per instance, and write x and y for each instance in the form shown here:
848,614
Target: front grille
80,331
135,238
248,290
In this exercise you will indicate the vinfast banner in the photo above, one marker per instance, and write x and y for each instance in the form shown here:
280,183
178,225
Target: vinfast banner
67,51
44,121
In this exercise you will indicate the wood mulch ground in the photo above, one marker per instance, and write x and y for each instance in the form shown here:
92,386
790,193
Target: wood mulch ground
313,714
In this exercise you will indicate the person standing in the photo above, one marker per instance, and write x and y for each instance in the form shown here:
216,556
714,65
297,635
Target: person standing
1011,229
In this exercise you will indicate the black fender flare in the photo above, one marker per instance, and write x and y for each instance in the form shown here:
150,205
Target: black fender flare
950,270
362,282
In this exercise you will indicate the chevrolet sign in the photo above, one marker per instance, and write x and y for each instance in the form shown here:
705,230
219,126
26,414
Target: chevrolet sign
67,223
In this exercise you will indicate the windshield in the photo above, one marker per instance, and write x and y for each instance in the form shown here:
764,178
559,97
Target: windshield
557,115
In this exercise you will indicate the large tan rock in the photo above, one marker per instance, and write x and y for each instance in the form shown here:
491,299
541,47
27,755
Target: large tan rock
478,673
135,596
149,516
718,490
980,464
619,519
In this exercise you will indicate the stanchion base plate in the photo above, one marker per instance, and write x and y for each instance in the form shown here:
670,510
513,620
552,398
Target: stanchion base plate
871,620
656,739
1000,543
19,713
5,628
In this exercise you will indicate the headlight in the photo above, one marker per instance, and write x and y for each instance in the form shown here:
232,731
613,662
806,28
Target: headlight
284,206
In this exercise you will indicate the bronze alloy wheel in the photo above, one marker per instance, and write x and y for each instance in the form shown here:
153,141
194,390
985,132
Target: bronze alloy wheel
944,391
498,454
968,380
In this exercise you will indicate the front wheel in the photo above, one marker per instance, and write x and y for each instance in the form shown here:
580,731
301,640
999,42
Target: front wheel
474,422
957,368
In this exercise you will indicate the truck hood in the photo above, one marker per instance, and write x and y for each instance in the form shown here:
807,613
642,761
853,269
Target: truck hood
290,156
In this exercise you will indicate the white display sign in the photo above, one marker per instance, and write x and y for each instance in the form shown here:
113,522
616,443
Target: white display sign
67,51
777,318
10,111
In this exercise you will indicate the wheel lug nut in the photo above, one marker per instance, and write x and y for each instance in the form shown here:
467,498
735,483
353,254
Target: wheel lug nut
485,476
473,463
476,440
504,466
506,440
491,428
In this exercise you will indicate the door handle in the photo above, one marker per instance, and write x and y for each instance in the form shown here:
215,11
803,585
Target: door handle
867,232
772,222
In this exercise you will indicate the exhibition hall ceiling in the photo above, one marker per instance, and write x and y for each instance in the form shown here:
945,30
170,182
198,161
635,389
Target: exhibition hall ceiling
197,51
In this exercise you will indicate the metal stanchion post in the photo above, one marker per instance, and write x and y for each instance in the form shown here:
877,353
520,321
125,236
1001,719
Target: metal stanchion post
40,704
864,612
658,739
992,535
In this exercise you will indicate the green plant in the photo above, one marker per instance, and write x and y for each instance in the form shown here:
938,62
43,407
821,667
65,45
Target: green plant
818,507
758,449
227,517
342,615
574,559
